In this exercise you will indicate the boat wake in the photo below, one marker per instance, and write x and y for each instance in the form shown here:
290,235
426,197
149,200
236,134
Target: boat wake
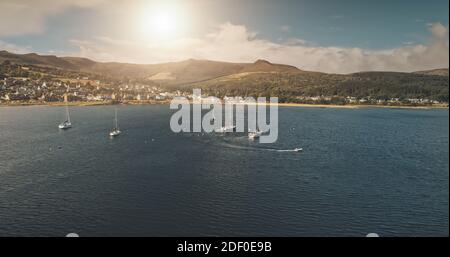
241,143
250,148
289,150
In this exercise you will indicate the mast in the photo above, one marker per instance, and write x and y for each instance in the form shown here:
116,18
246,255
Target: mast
67,113
116,121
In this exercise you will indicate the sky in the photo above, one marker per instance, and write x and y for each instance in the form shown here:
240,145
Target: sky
335,36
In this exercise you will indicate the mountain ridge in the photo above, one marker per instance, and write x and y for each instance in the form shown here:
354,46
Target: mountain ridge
186,71
204,69
260,78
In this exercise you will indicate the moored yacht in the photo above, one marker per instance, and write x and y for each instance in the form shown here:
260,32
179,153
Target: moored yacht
115,131
229,125
224,129
254,134
67,123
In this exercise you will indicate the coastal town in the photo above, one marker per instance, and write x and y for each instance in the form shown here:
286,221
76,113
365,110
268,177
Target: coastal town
23,87
26,90
31,85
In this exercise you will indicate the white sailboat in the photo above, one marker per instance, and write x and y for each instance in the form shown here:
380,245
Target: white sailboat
115,131
67,123
227,128
254,134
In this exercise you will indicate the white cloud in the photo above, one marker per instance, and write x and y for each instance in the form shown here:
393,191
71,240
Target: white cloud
439,31
235,43
19,17
14,48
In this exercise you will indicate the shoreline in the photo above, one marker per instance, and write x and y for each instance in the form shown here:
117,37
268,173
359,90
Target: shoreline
361,106
332,106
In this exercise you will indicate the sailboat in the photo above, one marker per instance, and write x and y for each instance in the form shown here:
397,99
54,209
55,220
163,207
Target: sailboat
66,124
115,131
227,128
254,134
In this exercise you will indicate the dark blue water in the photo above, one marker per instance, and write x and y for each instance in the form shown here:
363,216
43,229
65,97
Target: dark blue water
362,170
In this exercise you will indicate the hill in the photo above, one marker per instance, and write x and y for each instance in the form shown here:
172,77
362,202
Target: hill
169,73
436,72
289,85
260,78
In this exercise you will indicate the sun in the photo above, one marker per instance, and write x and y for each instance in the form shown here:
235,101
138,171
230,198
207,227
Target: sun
164,22
160,23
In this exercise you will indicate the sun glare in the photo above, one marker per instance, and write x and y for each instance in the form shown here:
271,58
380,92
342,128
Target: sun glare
160,23
164,22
